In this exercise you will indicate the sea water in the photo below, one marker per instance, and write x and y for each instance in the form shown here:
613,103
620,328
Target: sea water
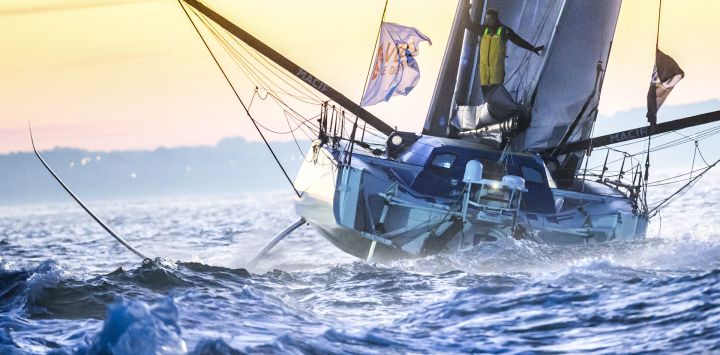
67,287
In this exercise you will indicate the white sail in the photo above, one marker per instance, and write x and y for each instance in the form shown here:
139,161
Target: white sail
570,79
551,89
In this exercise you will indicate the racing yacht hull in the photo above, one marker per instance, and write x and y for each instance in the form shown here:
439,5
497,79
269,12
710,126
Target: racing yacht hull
368,210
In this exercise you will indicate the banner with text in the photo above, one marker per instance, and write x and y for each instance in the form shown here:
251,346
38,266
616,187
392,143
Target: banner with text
395,71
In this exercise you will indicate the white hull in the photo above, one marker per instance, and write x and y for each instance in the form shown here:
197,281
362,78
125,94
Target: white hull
334,212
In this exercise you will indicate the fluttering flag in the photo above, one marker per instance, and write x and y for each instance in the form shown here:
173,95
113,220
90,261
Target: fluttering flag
395,71
666,75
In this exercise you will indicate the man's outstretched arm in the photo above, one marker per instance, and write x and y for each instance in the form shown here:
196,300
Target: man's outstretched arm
520,42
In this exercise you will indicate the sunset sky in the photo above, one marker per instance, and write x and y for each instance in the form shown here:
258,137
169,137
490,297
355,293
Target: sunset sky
114,74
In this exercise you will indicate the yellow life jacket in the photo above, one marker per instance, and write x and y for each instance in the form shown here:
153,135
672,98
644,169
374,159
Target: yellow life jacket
492,58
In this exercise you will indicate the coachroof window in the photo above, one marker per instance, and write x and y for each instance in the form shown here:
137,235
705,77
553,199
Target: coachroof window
444,160
532,175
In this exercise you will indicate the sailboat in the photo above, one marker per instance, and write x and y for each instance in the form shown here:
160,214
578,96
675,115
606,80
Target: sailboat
471,177
433,192
482,169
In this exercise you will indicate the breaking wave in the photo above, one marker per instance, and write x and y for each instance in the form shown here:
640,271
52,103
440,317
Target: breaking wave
656,295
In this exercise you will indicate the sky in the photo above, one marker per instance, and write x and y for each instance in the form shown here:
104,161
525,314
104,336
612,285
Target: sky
133,74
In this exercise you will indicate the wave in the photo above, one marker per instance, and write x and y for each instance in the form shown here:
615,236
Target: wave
49,290
134,327
646,296
574,312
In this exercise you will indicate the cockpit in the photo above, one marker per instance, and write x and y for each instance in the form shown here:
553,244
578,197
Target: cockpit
442,163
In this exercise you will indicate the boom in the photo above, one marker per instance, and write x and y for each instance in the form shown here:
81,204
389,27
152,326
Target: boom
642,132
293,68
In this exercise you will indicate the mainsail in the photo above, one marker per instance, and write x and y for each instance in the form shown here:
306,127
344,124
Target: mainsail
569,86
558,91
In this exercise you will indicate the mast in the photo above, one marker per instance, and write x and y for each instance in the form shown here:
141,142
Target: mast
642,132
441,104
293,68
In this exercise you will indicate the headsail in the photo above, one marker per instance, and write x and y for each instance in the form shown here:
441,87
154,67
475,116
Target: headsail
535,21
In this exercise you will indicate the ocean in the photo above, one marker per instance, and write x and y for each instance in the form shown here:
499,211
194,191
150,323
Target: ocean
66,287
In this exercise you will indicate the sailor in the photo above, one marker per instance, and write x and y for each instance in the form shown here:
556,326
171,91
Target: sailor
493,39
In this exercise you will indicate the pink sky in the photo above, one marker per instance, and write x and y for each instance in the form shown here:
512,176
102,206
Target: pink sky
134,75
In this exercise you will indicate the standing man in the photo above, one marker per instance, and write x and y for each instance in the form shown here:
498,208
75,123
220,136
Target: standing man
493,41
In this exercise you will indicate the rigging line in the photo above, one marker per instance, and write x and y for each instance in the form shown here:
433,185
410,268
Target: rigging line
679,142
277,71
300,94
301,127
256,94
238,97
634,142
249,73
686,188
286,107
309,123
293,136
367,79
245,66
371,130
280,102
679,176
98,220
693,161
290,131
625,156
254,79
702,157
301,121
672,182
679,193
374,50
304,123
268,83
247,63
677,180
373,133
657,34
241,61
701,135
